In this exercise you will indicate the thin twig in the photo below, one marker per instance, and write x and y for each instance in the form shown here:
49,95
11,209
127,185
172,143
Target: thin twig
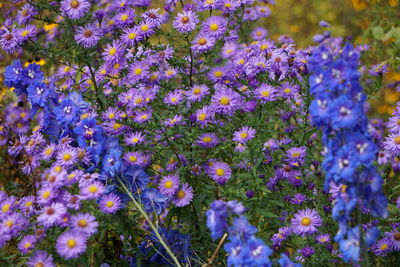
210,261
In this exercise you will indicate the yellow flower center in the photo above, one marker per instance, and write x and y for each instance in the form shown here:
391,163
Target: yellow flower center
93,189
5,208
220,172
112,51
169,184
39,264
218,74
67,156
138,71
295,154
57,168
144,28
27,245
111,116
207,139
48,151
228,5
181,194
383,247
202,117
46,194
202,41
287,90
117,126
74,4
82,223
244,135
28,204
9,224
397,140
174,99
185,19
24,33
135,140
214,27
306,221
265,93
71,243
132,36
196,91
132,158
224,101
109,204
124,17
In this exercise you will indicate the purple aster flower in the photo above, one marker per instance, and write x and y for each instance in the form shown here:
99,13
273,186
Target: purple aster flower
46,195
110,203
25,14
214,26
71,244
52,214
296,154
197,93
13,223
88,36
124,18
203,43
113,52
92,190
225,101
306,221
208,140
169,185
259,33
288,90
298,199
10,40
183,196
138,71
67,156
75,9
185,22
205,115
323,238
29,31
382,247
265,93
394,238
146,28
84,223
219,172
134,139
131,36
40,259
134,158
306,252
392,144
377,70
244,134
174,98
27,243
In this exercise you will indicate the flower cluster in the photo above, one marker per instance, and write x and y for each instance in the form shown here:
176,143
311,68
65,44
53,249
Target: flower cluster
338,109
244,248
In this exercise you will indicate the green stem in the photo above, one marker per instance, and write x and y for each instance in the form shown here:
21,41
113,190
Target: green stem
152,226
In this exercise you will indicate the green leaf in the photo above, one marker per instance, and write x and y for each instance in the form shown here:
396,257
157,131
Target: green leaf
377,32
266,213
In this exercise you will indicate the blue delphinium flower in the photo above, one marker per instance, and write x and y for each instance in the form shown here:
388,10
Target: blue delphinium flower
155,253
243,248
13,77
153,200
284,261
135,178
338,110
